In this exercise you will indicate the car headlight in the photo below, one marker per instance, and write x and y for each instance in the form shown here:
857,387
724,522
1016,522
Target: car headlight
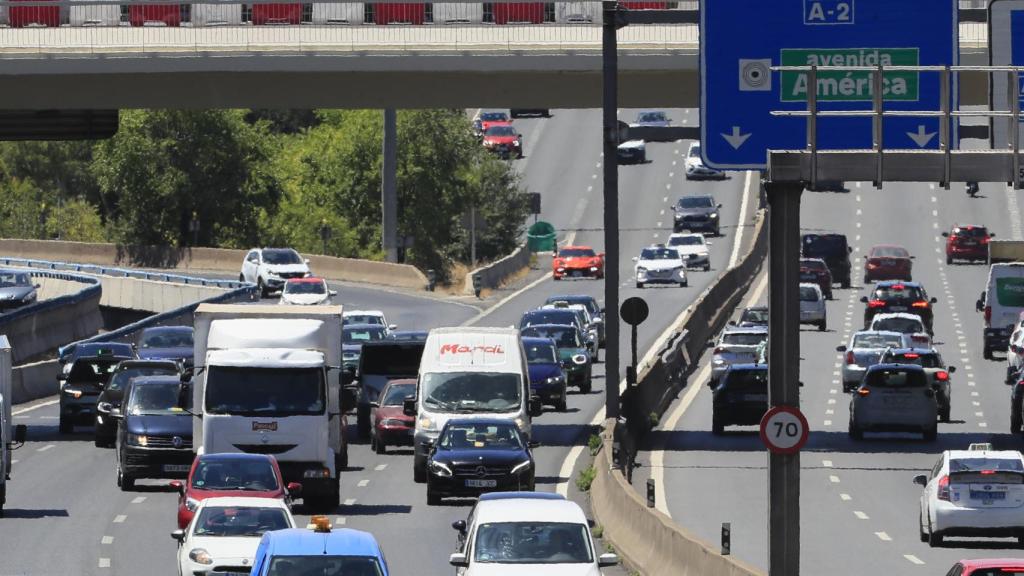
718,361
579,359
678,216
641,269
555,379
441,469
200,556
515,142
392,422
713,216
191,504
104,407
73,392
138,440
521,467
593,268
426,424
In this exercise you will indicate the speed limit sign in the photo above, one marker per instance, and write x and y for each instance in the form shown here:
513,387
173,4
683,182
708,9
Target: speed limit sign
784,430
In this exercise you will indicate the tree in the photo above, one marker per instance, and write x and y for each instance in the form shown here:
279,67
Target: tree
22,209
60,169
75,220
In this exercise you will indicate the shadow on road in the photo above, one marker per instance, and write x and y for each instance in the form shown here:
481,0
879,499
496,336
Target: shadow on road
34,514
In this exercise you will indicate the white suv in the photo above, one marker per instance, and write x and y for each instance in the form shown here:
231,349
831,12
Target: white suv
270,268
812,306
510,530
693,248
659,264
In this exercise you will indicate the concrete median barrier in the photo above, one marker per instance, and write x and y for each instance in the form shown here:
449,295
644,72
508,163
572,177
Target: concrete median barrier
495,273
35,380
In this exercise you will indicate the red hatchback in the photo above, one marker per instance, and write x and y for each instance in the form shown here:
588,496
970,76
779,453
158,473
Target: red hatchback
967,242
988,567
236,474
815,270
886,262
391,427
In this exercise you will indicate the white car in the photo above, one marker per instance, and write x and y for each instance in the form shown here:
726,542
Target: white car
1015,351
270,268
632,151
693,248
812,306
527,533
659,264
695,167
904,323
306,292
974,492
367,317
225,532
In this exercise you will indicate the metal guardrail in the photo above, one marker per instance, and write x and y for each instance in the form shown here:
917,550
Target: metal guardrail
121,272
91,289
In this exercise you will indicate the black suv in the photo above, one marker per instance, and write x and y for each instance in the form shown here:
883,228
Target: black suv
740,398
108,405
82,386
833,249
892,296
697,213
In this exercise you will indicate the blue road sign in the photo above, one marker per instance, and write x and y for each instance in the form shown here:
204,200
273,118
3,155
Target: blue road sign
741,39
1006,42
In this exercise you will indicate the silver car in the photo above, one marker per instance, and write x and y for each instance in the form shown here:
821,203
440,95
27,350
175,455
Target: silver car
16,289
736,345
894,398
863,351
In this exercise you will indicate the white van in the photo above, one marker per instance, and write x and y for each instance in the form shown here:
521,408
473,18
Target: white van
1002,302
468,372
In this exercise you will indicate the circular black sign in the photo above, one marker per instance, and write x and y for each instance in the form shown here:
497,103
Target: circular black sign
634,311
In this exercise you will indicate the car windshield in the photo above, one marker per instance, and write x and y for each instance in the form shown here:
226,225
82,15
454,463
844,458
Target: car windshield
396,394
651,117
532,543
755,316
363,319
901,325
811,264
972,232
889,252
155,399
120,380
815,245
352,335
501,130
896,379
686,240
659,254
324,565
256,391
564,337
281,256
696,202
236,521
979,464
695,151
898,291
876,340
234,474
541,354
576,252
549,316
92,369
468,392
744,338
10,279
168,339
494,117
305,288
481,437
808,294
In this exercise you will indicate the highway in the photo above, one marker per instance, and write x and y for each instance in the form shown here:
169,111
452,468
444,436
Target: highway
65,486
859,508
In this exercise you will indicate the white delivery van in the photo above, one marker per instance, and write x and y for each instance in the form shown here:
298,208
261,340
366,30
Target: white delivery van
1002,302
465,373
11,436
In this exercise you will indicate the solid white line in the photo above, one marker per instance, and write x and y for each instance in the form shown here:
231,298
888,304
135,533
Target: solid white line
658,456
913,559
35,407
738,241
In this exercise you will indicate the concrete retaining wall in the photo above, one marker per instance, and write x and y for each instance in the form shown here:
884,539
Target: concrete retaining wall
495,273
36,380
212,259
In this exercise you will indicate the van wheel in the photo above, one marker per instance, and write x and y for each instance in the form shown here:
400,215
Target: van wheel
717,428
586,386
822,326
986,353
65,426
433,498
124,481
241,277
640,285
561,405
855,432
949,260
934,539
419,469
944,414
1015,420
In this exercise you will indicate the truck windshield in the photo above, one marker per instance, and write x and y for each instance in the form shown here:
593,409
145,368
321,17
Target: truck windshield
466,392
249,391
324,566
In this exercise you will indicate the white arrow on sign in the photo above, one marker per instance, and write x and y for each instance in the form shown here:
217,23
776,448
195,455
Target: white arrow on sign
921,138
736,139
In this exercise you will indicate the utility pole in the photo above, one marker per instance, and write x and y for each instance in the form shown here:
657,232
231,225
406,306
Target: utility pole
784,371
472,236
610,70
389,187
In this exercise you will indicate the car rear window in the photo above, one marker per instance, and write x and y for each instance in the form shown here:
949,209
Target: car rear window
898,291
972,232
815,245
696,202
876,340
391,359
747,380
813,264
889,252
808,294
980,464
896,379
902,325
744,338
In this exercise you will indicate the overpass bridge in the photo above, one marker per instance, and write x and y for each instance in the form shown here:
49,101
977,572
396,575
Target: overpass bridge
102,54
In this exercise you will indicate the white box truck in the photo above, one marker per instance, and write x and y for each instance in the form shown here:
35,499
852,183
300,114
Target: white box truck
465,373
267,380
1002,302
11,436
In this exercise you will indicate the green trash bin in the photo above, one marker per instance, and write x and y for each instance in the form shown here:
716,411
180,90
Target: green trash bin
541,237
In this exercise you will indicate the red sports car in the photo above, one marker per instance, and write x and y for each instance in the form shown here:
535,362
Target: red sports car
391,427
503,139
234,474
576,262
886,262
967,242
989,567
485,120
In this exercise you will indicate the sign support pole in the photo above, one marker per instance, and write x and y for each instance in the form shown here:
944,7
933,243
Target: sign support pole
784,371
610,61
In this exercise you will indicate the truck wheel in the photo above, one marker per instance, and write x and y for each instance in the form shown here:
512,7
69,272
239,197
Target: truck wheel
931,433
65,426
419,469
586,386
363,422
433,498
986,353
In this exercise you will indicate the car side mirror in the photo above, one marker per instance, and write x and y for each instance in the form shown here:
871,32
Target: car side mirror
37,286
849,250
458,560
921,480
177,486
305,261
375,404
347,399
934,300
178,535
409,407
332,293
731,322
533,444
20,432
991,234
392,327
607,560
460,526
294,489
601,255
841,348
710,344
945,234
864,299
951,369
718,206
978,307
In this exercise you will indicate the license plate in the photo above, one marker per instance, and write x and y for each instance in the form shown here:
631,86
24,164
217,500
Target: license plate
969,243
807,277
474,483
987,496
888,262
898,308
176,467
755,397
577,273
895,402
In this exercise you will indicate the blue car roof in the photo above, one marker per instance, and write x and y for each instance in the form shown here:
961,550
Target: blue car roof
526,495
337,542
748,366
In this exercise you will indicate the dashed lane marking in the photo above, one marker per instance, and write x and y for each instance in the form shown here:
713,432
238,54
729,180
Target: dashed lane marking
826,463
107,540
104,563
828,422
363,483
340,521
913,559
380,467
982,424
45,448
350,501
120,518
860,515
833,479
883,537
138,500
845,497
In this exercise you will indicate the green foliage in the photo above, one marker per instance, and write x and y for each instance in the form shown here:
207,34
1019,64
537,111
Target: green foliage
598,531
76,220
594,443
586,478
59,169
22,209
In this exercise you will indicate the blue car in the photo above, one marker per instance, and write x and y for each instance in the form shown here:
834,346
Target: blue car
320,550
166,343
154,438
547,380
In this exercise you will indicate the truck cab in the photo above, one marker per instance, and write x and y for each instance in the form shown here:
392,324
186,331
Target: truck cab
319,549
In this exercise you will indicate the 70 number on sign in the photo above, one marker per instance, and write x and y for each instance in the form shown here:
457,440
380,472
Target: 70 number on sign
784,430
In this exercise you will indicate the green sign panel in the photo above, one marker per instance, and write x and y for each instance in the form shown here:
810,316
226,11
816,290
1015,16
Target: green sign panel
849,85
1010,292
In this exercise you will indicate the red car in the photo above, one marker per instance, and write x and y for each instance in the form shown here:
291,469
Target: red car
391,427
815,270
988,567
967,242
576,262
236,474
885,262
504,140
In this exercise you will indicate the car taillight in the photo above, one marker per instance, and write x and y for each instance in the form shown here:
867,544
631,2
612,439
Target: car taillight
920,304
876,303
942,376
863,391
943,492
719,350
987,472
850,358
898,287
988,315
